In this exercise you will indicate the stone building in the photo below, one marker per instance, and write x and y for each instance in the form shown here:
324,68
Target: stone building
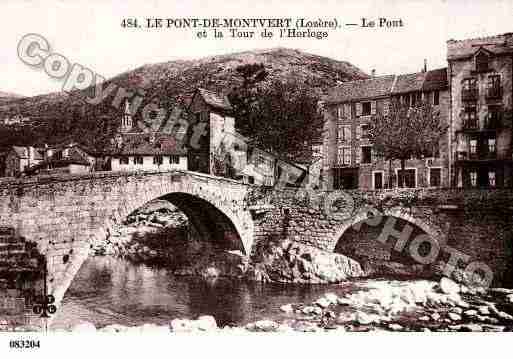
136,150
348,158
222,151
68,158
481,74
19,158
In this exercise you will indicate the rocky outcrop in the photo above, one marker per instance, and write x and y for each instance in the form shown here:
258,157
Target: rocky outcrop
292,262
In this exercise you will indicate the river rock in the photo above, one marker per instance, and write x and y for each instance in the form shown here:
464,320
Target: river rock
206,323
181,325
448,286
483,310
331,297
471,328
435,316
323,302
265,326
395,326
470,313
366,319
454,316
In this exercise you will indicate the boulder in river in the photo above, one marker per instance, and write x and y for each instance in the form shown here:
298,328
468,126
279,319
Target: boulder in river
448,286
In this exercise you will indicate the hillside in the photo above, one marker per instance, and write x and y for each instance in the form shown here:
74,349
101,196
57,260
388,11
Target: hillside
59,115
7,97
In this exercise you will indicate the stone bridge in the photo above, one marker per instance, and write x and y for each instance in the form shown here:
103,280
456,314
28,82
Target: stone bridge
64,215
464,228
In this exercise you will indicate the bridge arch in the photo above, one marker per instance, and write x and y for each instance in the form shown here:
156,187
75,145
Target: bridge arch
358,238
65,214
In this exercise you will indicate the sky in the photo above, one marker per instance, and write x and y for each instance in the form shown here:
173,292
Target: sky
90,33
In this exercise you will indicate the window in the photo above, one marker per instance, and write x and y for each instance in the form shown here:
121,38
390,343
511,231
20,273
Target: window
491,145
344,133
174,159
344,155
435,177
481,62
157,160
340,111
406,100
366,154
123,160
365,130
436,98
491,178
470,118
413,99
473,179
470,84
473,147
493,119
378,180
494,86
138,160
366,108
408,177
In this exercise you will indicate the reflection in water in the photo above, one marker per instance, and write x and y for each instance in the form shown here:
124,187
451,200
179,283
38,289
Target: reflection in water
108,290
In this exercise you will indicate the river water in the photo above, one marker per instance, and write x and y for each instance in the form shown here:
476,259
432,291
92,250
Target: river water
109,290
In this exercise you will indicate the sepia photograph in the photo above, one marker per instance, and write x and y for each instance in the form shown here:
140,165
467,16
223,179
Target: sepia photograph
325,169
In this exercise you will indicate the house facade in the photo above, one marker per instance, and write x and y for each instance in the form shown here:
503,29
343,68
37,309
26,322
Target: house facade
350,161
19,158
481,77
222,151
135,150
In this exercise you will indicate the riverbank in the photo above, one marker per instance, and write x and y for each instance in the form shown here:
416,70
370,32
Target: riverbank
371,305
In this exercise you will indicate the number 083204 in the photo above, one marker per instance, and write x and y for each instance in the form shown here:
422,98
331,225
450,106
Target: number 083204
24,344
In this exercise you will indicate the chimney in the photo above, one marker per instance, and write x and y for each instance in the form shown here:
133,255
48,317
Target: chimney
425,66
373,73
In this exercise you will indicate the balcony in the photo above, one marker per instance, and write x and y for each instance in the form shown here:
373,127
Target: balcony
493,123
469,94
470,125
494,93
476,156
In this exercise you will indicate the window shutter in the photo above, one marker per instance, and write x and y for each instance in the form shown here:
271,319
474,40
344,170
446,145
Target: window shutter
348,134
358,132
358,158
347,110
386,104
339,112
358,109
373,107
374,155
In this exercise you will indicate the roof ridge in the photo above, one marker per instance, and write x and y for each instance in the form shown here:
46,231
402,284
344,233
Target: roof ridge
490,37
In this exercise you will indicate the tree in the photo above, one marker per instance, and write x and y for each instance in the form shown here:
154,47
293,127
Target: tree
280,117
406,132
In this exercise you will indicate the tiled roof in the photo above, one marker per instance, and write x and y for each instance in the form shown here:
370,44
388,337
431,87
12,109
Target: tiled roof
142,144
436,80
369,88
215,100
75,156
498,44
387,85
409,82
21,152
